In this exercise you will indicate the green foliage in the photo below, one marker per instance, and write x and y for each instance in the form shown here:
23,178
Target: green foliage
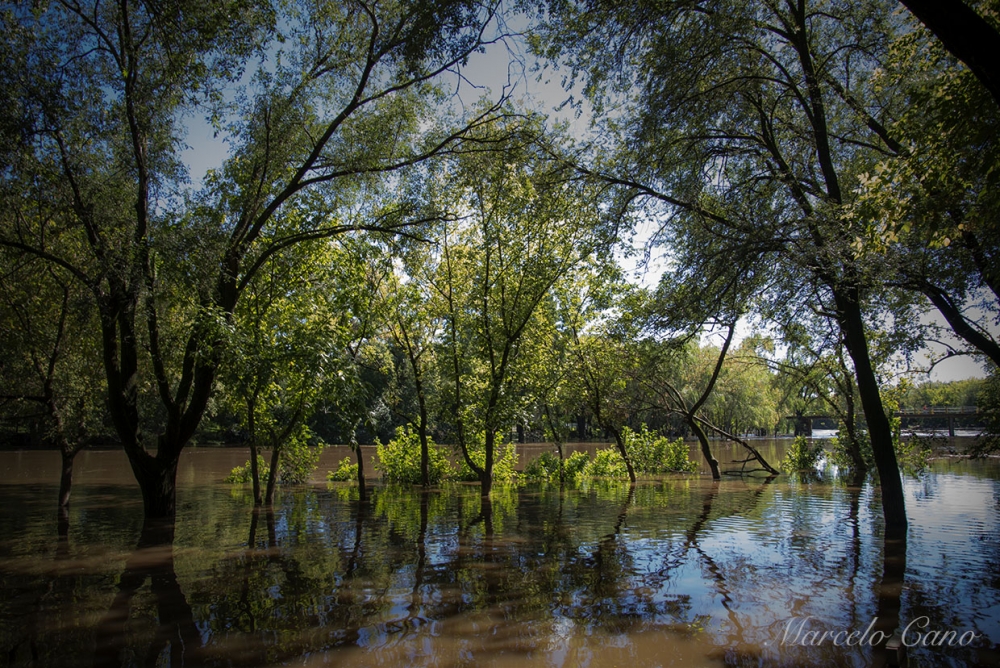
243,474
297,461
912,454
544,467
840,444
989,410
575,464
346,471
802,455
298,457
608,463
399,459
652,453
505,459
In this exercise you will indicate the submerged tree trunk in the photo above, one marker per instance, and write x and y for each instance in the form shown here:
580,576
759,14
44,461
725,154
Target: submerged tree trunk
624,453
425,455
254,468
706,450
65,487
486,475
852,324
157,478
272,474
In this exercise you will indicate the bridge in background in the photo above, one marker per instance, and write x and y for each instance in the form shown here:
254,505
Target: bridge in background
804,423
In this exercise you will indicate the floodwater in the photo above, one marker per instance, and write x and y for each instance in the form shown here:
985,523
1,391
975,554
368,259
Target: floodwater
680,571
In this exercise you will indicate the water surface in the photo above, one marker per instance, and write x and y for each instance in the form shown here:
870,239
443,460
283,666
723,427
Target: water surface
679,571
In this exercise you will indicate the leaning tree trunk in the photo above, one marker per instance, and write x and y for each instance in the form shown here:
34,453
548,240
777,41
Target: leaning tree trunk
852,324
624,453
706,450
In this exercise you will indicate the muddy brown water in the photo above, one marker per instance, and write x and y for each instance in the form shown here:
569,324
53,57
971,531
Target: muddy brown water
680,571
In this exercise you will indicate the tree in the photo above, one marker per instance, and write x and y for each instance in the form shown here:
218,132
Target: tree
930,202
334,108
521,224
51,362
413,326
966,34
751,122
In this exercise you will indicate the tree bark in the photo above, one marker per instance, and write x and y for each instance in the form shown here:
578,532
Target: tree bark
486,476
706,450
624,453
157,478
852,325
272,475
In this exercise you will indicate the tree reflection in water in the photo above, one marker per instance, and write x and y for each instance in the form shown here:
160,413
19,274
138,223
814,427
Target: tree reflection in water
671,571
176,640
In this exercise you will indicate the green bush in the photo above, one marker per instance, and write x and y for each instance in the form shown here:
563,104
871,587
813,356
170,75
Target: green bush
801,456
652,453
296,462
545,467
608,463
298,459
346,471
912,454
575,464
243,474
399,459
504,460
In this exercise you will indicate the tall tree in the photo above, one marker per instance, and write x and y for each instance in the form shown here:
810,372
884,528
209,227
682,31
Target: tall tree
334,105
522,224
745,123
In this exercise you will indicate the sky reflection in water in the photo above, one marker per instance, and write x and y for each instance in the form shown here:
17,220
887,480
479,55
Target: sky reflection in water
677,572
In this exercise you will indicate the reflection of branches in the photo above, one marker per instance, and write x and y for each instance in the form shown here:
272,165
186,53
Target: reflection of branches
153,560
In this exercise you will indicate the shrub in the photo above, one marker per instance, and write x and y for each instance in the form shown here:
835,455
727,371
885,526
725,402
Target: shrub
298,459
801,456
346,471
399,459
243,474
652,453
504,460
296,463
608,463
574,465
544,467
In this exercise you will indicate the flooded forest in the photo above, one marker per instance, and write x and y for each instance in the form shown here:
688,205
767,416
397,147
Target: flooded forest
472,332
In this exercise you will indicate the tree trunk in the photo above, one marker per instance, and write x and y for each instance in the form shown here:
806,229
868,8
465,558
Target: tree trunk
157,478
255,473
254,469
272,475
425,455
852,324
362,491
624,453
706,450
967,35
486,476
65,487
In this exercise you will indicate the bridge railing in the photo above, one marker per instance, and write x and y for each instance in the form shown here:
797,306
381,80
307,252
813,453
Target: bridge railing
938,410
